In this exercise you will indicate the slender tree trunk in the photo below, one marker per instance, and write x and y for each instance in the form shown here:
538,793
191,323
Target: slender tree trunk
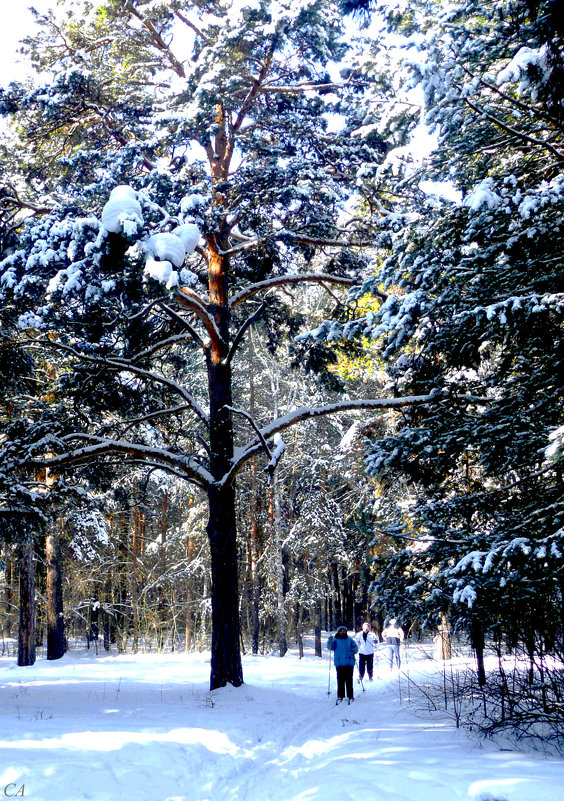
254,558
107,615
299,636
254,549
281,621
478,643
337,607
189,600
6,606
203,622
163,618
317,629
256,588
443,648
188,619
276,535
56,643
134,586
26,632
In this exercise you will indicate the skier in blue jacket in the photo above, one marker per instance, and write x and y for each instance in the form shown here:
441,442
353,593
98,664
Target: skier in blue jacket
344,648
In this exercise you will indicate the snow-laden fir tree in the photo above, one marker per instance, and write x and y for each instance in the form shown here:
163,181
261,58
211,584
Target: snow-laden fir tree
475,307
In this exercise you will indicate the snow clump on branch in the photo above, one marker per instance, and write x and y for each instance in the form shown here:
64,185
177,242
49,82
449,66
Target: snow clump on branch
164,251
167,249
482,194
555,451
189,234
122,213
166,246
519,68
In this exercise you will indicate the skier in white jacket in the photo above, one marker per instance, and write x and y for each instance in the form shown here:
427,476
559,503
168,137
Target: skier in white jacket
393,637
367,643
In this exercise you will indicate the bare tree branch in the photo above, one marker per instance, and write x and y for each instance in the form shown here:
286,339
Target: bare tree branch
185,465
253,423
192,331
191,25
514,132
254,90
302,239
128,367
308,413
149,416
164,343
241,332
186,297
158,40
285,280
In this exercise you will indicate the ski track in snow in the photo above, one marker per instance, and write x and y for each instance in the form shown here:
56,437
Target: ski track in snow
146,727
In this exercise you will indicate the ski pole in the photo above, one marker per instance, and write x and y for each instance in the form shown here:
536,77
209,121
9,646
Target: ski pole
329,681
406,662
359,676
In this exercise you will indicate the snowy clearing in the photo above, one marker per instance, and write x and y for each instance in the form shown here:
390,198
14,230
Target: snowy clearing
146,727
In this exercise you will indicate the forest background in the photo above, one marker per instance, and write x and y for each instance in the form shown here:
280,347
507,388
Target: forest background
253,377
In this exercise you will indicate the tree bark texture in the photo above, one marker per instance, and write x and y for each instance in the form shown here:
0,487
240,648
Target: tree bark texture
56,643
254,546
26,632
478,643
281,621
226,667
317,630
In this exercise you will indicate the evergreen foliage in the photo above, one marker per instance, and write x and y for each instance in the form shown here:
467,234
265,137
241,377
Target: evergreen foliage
475,308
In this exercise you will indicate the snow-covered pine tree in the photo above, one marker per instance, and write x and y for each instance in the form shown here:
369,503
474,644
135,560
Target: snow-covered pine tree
183,152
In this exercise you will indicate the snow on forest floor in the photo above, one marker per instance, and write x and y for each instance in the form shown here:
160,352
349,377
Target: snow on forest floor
146,728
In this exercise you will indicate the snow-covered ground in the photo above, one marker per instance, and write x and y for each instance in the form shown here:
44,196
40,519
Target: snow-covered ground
146,728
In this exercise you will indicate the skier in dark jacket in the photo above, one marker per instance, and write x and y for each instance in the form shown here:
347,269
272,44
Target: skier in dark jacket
344,648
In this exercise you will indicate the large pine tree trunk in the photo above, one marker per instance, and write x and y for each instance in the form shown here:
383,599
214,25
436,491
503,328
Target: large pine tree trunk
226,667
56,643
26,632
